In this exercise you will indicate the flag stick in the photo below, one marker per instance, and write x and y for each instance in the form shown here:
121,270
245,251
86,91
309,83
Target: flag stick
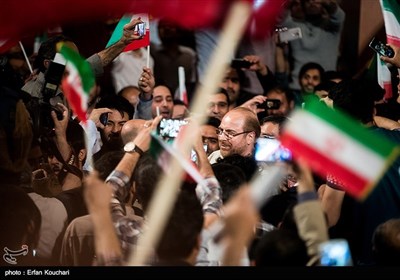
148,57
182,87
168,187
26,57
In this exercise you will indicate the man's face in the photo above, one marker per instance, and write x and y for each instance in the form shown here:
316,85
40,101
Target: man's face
270,130
112,130
210,138
233,123
55,164
313,7
162,99
310,80
231,84
218,106
285,107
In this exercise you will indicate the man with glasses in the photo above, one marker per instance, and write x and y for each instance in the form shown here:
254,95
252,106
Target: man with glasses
237,134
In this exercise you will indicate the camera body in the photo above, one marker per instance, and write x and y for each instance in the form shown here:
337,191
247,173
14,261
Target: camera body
270,104
40,108
104,119
169,128
286,35
381,48
240,63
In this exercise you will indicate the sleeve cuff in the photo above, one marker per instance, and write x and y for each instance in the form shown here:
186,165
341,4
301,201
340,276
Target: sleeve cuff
303,197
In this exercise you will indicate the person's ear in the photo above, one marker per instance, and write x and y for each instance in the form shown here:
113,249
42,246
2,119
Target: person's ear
46,63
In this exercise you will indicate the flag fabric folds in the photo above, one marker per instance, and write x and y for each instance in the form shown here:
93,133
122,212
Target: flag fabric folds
27,18
334,144
391,17
119,29
163,153
79,82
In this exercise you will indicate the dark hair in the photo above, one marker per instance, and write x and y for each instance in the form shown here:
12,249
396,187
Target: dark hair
282,89
281,248
213,121
183,228
224,92
118,103
247,164
386,243
48,50
146,175
230,178
309,66
178,102
275,119
107,163
356,98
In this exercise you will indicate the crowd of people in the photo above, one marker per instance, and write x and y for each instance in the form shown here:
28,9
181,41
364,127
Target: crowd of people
78,194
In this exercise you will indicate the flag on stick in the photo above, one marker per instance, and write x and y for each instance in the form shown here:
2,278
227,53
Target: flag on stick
78,83
391,17
163,153
136,44
182,86
333,143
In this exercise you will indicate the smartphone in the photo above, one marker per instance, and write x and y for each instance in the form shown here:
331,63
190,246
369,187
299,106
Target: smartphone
271,150
240,63
270,104
140,28
104,119
169,128
335,252
381,48
286,35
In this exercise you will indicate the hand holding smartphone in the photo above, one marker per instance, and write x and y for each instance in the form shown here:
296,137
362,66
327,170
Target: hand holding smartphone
381,48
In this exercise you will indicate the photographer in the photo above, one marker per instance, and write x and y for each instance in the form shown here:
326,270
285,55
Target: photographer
44,88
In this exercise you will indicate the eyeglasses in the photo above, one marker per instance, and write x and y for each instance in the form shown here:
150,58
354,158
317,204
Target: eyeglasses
230,134
267,136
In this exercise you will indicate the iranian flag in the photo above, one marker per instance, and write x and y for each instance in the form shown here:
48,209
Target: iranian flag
78,83
163,153
136,44
333,143
391,17
182,86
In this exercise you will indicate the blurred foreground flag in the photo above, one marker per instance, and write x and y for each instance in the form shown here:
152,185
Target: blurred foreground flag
333,143
163,153
136,44
79,82
391,17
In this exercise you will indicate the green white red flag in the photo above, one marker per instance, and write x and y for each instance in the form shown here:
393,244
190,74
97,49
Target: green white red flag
335,144
164,152
391,17
182,86
136,44
78,83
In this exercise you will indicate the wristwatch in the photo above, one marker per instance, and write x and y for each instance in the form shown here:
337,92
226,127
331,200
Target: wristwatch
130,147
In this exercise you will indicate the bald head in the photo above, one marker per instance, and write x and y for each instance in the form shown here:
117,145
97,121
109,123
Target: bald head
131,129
